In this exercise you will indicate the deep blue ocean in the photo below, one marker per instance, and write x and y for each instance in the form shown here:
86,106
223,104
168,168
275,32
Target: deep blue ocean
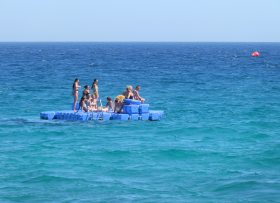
218,142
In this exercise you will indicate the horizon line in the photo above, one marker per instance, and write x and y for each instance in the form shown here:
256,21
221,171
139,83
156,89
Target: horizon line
139,41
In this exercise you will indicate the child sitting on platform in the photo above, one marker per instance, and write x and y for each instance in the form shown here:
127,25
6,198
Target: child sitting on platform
93,102
83,104
109,106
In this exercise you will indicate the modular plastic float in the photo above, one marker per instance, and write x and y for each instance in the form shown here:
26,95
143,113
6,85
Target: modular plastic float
132,110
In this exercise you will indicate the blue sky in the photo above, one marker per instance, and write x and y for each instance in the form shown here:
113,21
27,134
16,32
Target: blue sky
140,20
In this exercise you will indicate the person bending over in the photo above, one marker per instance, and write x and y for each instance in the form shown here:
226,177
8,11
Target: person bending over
118,106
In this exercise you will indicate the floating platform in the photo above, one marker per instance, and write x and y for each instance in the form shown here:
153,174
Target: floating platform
132,110
71,115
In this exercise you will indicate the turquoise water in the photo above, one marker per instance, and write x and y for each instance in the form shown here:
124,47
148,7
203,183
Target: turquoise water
219,140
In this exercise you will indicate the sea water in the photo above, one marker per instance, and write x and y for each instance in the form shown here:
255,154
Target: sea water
219,140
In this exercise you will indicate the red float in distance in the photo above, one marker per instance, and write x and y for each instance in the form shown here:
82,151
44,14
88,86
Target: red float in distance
255,54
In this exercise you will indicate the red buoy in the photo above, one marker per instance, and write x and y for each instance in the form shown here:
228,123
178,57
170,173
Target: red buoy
255,54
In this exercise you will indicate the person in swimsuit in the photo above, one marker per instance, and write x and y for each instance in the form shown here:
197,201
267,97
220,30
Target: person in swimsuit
93,102
86,91
88,101
109,106
75,92
136,94
118,106
94,87
128,94
83,104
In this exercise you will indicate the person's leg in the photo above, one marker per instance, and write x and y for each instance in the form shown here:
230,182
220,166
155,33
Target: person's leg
75,101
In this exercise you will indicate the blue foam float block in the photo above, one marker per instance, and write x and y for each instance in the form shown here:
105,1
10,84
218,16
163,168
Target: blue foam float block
55,115
144,108
106,116
118,116
155,115
84,116
72,116
131,109
134,117
77,116
131,101
43,115
161,113
145,116
47,115
67,116
60,114
81,116
93,116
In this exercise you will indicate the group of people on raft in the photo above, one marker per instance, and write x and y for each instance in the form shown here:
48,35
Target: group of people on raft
89,101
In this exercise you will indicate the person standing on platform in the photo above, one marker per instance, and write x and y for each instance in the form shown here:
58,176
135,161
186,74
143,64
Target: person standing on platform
94,87
75,92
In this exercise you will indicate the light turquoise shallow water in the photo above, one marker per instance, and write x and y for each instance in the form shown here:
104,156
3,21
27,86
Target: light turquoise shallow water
219,140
